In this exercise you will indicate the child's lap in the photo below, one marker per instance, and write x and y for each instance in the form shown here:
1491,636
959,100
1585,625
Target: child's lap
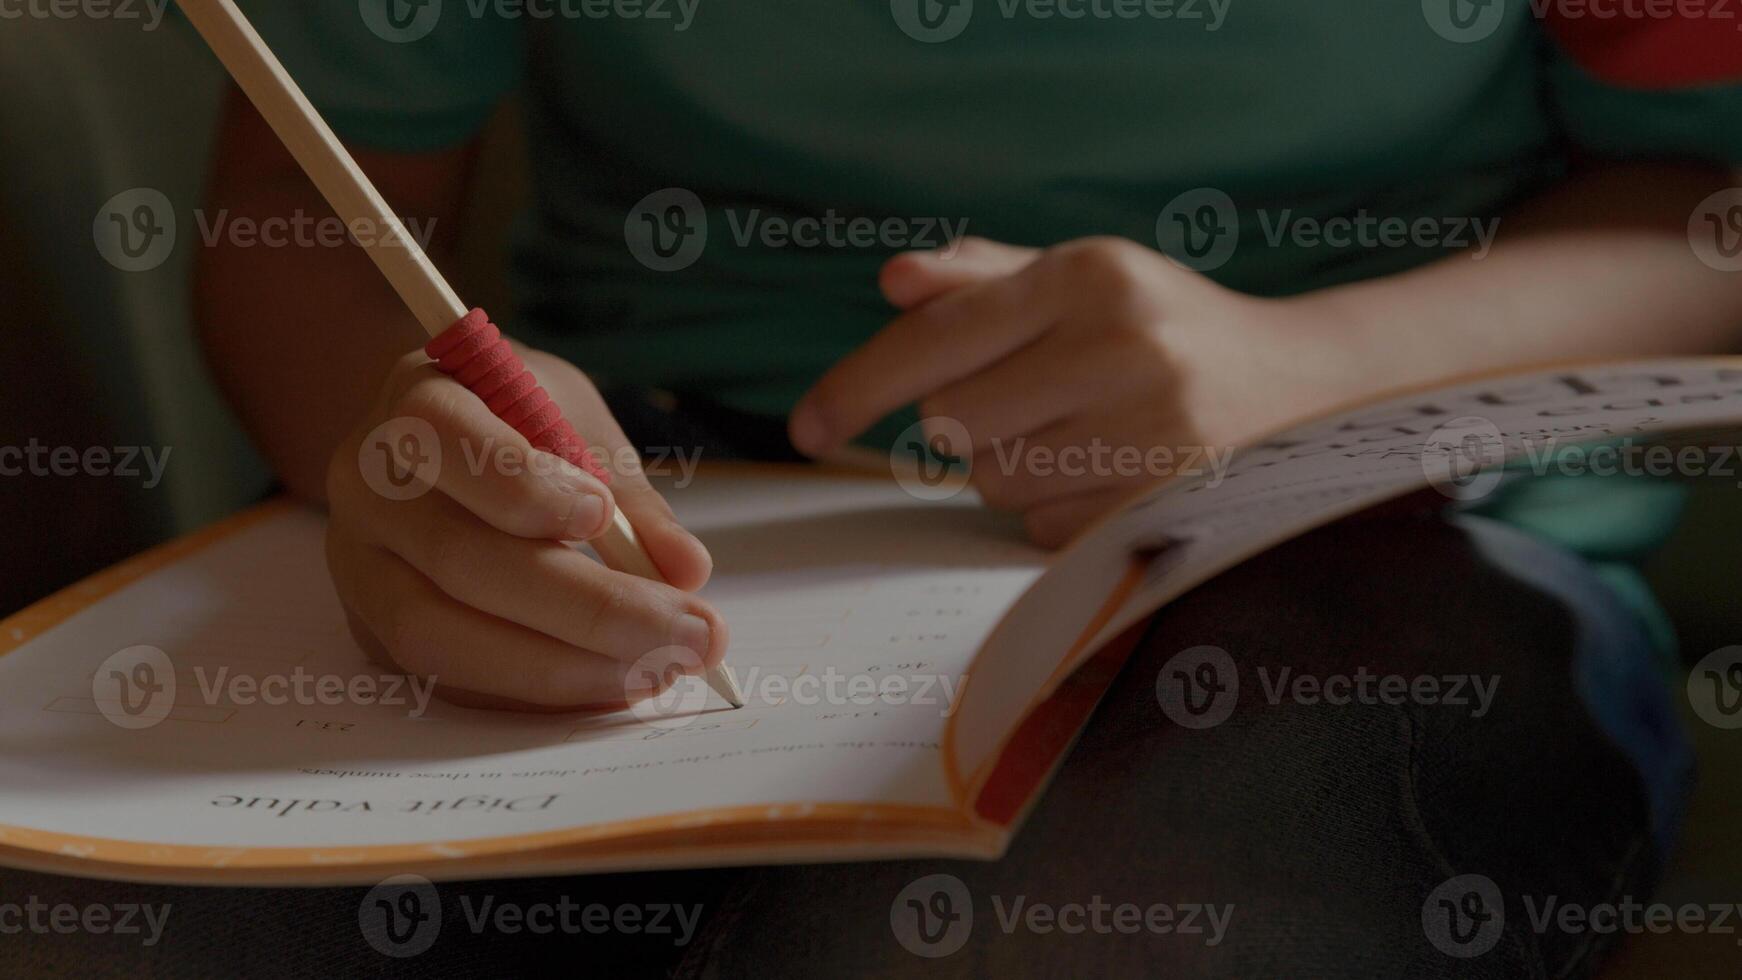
1324,826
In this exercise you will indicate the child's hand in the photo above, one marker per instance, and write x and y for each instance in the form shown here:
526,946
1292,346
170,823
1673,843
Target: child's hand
467,583
1094,346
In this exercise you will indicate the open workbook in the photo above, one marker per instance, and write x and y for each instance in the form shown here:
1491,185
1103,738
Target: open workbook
914,670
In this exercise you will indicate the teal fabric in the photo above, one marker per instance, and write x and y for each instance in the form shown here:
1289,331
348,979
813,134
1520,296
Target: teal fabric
1032,130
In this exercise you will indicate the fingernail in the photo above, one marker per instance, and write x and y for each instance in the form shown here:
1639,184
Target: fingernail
807,431
586,516
693,633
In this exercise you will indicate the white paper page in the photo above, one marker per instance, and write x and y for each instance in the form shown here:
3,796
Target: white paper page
1458,438
818,577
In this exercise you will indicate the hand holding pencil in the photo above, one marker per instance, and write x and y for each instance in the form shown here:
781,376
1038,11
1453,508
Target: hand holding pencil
443,583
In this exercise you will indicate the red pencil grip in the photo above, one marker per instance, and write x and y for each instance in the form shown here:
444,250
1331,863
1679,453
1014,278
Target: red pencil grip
474,353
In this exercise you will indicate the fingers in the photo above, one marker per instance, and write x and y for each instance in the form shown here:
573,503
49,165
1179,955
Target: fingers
1077,456
682,560
1041,384
484,464
912,278
542,586
1054,523
921,351
425,632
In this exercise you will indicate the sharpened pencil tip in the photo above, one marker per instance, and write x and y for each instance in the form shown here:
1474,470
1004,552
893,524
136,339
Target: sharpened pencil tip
726,686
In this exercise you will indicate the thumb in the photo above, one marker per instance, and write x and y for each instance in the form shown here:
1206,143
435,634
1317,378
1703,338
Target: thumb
913,278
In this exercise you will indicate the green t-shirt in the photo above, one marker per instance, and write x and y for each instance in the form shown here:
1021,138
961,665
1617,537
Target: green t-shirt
815,139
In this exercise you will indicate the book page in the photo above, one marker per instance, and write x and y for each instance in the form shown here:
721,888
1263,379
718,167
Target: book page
1463,439
855,611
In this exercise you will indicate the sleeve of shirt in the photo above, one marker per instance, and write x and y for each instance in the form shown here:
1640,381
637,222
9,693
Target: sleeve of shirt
1664,85
396,75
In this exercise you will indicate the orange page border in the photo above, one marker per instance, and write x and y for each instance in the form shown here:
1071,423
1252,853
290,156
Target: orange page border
36,619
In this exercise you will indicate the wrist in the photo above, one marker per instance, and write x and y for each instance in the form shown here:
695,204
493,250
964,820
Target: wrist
1370,347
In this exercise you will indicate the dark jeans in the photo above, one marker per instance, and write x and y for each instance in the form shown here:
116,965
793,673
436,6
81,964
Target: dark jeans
1330,829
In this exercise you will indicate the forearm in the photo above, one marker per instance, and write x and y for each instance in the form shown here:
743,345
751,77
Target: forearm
1600,266
300,337
297,361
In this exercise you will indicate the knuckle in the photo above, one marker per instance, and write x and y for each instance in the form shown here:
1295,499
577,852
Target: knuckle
525,509
974,246
603,601
1102,260
445,558
432,398
407,370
